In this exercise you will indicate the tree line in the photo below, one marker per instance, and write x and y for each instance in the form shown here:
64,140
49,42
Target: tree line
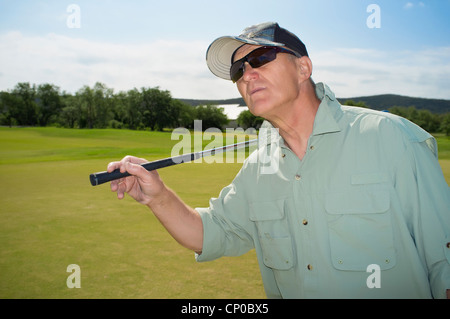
430,122
142,109
433,123
100,107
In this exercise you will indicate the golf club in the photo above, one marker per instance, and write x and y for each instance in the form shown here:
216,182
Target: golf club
103,177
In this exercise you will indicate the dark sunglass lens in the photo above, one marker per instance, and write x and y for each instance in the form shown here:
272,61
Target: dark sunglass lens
256,59
237,70
264,56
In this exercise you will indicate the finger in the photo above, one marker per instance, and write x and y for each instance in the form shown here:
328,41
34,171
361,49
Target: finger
115,184
112,166
120,164
134,160
138,171
121,186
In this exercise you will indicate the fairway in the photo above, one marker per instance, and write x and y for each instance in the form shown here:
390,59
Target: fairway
51,217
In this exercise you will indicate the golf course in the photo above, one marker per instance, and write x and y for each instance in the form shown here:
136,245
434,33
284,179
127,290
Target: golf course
51,217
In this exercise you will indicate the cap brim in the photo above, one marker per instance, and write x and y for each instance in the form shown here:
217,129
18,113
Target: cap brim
219,53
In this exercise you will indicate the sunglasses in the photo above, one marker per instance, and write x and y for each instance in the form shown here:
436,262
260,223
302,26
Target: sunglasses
256,59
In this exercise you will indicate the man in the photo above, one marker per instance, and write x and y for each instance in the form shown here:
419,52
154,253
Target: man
357,206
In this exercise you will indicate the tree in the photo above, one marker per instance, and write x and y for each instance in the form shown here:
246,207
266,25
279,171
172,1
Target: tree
95,106
68,116
26,108
424,118
157,108
134,110
49,103
400,111
353,103
445,124
103,103
86,108
211,116
427,120
186,114
8,109
246,119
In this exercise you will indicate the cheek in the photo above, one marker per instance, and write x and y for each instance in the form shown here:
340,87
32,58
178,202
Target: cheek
288,82
242,89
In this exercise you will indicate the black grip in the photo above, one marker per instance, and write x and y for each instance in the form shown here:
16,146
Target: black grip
104,177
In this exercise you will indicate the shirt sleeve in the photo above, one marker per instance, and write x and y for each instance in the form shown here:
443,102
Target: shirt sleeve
426,197
225,225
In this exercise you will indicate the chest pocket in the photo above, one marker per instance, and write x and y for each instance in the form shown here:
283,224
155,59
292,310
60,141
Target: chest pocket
360,229
273,233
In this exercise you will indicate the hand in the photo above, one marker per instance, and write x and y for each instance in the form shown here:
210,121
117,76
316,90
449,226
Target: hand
143,185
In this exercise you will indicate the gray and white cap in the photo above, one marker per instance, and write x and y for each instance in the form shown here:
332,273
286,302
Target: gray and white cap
220,53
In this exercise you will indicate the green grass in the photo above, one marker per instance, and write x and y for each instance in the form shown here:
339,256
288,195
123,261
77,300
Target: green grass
51,217
444,154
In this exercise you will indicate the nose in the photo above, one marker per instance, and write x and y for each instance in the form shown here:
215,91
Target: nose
249,72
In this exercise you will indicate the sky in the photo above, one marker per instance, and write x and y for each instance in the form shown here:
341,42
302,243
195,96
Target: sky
357,47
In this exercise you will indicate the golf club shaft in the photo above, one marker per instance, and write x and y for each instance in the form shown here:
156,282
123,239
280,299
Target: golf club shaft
104,177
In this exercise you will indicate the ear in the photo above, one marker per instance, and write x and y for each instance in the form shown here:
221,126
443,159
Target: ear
305,67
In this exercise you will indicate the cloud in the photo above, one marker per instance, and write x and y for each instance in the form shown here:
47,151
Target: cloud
71,63
410,5
357,72
179,67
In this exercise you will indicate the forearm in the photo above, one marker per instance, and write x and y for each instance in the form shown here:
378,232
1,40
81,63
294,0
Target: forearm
181,221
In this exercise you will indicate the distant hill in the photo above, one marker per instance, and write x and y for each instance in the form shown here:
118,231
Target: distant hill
376,102
239,101
385,101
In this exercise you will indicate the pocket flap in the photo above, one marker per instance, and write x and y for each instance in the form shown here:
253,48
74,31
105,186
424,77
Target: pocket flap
369,178
358,202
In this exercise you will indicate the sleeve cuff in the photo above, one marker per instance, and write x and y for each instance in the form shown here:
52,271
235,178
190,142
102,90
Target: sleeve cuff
212,238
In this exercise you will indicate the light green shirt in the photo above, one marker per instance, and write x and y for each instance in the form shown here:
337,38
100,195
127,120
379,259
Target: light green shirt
369,191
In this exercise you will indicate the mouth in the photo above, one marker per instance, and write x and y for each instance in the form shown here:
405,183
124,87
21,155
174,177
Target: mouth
256,90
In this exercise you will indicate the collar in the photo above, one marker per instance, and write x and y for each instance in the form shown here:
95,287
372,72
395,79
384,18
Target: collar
328,113
325,120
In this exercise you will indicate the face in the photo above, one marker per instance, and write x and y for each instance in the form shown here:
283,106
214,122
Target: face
271,87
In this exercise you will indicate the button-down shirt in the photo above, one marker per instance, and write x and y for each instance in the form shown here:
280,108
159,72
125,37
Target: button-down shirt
364,214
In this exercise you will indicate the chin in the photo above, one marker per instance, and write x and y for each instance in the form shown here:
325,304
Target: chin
260,108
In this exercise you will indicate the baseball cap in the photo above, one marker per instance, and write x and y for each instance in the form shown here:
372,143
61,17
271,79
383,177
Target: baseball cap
220,52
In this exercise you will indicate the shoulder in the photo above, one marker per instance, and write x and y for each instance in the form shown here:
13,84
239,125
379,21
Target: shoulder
384,123
387,127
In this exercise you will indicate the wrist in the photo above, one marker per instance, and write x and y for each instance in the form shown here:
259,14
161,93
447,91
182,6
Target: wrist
159,199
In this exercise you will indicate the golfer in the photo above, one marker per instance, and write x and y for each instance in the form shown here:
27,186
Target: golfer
357,206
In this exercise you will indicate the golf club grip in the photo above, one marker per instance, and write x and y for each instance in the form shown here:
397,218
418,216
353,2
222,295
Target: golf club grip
104,177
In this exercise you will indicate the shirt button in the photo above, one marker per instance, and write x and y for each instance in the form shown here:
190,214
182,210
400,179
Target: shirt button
311,147
448,245
305,222
283,155
297,177
310,267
